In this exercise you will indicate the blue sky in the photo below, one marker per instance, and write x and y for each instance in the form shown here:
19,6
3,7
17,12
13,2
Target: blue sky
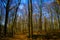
25,1
33,1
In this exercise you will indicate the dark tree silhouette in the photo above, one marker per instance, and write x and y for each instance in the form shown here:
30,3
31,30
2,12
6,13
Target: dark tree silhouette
6,17
7,13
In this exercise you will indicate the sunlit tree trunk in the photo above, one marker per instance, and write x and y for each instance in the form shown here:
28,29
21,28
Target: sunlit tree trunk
30,25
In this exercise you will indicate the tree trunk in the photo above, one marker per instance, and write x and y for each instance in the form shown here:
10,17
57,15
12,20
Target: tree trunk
58,16
40,18
30,25
6,17
45,24
52,26
15,19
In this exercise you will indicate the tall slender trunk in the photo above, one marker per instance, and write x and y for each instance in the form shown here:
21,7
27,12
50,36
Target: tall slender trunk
45,24
57,11
15,18
6,17
14,24
52,26
58,18
0,21
30,25
40,18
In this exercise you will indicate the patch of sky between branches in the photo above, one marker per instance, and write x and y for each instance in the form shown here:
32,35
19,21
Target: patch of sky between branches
21,6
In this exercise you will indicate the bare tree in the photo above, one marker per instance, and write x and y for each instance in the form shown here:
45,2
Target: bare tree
7,13
15,18
30,25
6,17
56,9
40,18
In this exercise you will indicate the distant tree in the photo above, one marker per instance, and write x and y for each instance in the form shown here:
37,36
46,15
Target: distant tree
57,10
55,23
15,18
45,23
40,18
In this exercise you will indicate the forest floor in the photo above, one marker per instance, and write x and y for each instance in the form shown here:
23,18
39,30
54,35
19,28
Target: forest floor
16,37
22,37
